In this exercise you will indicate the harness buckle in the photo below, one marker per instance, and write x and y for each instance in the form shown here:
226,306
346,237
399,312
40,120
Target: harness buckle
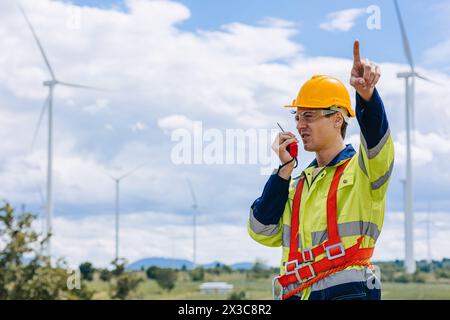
331,256
287,272
309,254
311,270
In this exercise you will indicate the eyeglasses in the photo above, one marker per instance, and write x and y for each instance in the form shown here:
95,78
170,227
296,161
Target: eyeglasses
311,116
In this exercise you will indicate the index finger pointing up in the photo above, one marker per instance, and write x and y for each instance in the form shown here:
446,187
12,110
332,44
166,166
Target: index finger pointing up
356,55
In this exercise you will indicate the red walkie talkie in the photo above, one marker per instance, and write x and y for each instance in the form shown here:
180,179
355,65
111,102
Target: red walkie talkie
291,148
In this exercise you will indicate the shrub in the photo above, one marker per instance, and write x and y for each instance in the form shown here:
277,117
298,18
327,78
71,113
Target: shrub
198,274
166,278
237,296
87,271
125,285
26,274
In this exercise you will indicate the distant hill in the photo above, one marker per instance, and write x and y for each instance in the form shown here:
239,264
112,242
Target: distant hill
159,262
212,265
242,266
179,263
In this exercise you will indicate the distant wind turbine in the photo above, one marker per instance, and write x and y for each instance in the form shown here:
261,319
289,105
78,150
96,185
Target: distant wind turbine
117,181
194,211
51,84
409,76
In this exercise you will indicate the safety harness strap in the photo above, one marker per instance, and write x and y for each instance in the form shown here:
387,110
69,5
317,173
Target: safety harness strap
293,247
297,268
333,243
308,271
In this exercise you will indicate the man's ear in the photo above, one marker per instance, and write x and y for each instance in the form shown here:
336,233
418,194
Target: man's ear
338,121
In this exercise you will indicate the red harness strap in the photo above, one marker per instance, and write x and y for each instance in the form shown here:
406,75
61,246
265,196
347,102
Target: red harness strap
293,247
297,268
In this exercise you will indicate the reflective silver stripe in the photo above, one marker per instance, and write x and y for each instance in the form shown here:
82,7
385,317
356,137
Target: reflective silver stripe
383,179
287,237
318,237
361,164
347,229
345,276
262,229
363,142
373,152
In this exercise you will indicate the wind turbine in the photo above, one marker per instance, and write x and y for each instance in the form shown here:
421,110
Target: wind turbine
194,211
409,76
51,84
117,181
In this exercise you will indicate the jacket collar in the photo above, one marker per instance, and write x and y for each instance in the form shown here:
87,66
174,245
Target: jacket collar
345,154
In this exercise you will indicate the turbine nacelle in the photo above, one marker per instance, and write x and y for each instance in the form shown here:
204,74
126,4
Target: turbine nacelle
50,83
407,74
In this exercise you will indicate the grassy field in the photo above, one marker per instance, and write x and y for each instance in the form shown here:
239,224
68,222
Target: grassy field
186,289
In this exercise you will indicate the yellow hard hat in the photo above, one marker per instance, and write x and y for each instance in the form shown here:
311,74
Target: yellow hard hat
323,92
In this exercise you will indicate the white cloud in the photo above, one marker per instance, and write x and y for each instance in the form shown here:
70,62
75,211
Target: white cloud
424,147
438,55
100,105
139,126
176,121
342,20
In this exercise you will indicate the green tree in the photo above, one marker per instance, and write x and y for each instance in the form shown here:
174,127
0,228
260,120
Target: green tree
26,274
237,295
259,270
87,271
166,278
119,266
105,275
198,274
126,284
151,272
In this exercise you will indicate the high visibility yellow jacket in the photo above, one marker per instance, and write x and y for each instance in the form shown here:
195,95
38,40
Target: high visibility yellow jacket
361,196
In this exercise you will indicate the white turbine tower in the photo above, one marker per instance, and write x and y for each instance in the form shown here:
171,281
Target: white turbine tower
51,84
117,181
409,76
194,211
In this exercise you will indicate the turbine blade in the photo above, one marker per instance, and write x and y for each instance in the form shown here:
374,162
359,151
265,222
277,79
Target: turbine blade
426,79
49,67
38,125
134,170
80,86
194,198
406,47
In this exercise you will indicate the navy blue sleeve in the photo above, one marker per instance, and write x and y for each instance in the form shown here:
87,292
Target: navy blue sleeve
269,208
371,118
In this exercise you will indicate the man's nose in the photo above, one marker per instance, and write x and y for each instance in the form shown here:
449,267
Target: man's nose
301,125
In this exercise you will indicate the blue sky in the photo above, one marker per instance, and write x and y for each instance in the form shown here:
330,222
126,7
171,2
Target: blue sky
230,65
384,45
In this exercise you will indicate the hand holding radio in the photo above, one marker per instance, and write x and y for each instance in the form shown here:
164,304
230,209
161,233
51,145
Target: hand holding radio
286,147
